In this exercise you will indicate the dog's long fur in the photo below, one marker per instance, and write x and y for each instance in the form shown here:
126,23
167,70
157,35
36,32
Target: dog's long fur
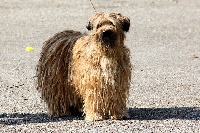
89,73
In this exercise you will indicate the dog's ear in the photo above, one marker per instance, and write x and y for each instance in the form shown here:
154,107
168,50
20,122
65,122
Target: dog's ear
93,19
125,24
89,26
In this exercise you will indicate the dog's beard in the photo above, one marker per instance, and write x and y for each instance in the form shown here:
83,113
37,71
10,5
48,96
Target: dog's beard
108,38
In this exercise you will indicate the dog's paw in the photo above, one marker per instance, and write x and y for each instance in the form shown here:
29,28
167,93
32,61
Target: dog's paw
93,117
120,117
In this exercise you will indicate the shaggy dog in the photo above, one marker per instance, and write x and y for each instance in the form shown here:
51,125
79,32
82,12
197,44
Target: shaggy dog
87,73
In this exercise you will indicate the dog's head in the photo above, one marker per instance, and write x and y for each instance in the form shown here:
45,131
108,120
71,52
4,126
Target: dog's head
109,27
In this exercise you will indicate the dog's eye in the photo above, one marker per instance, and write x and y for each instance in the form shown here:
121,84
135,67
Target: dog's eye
111,23
99,25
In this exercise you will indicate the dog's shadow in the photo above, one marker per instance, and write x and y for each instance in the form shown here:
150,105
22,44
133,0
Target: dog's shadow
187,113
27,118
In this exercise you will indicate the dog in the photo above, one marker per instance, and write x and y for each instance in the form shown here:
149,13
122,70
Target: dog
89,74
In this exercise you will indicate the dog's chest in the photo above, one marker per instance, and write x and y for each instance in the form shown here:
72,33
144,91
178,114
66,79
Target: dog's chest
108,69
100,61
95,66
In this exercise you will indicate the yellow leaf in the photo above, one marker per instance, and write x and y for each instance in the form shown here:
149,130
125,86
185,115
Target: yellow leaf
29,48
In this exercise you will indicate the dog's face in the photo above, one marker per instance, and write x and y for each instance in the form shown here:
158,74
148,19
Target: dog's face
109,27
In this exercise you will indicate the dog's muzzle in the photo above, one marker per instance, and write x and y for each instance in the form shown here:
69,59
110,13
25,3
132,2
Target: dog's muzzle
108,38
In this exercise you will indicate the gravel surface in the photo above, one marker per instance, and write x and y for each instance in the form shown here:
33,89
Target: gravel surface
164,39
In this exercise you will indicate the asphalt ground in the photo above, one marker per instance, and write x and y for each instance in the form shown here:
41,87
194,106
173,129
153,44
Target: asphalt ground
164,40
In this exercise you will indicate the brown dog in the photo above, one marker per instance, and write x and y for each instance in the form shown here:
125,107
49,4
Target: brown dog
89,73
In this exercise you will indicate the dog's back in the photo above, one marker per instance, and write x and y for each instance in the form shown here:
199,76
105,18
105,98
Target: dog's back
52,69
